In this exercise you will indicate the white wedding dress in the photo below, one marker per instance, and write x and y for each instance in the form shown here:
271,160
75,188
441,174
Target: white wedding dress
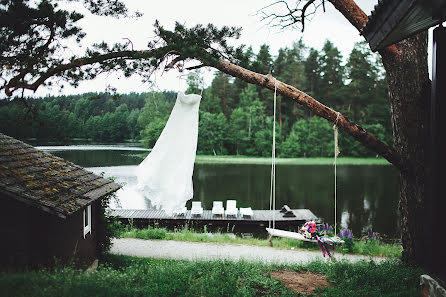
165,175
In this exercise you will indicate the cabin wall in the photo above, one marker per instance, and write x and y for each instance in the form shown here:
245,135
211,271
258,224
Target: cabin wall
33,237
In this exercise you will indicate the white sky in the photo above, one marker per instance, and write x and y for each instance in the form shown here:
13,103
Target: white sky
242,13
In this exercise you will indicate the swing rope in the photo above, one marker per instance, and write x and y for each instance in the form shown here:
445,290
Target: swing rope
336,153
272,196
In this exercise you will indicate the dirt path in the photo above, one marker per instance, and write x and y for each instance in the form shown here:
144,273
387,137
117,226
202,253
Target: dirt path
170,249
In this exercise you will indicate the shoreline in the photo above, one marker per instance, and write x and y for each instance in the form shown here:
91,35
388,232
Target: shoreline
228,159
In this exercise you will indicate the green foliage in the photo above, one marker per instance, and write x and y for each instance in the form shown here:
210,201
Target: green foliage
149,233
106,224
212,132
153,130
248,109
129,276
221,92
235,117
348,246
105,231
195,82
100,117
309,138
388,278
312,70
31,34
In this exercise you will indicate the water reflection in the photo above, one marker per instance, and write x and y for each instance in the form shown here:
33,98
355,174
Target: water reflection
367,196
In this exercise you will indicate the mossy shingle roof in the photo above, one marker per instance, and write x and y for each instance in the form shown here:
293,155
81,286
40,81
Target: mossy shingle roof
394,20
46,181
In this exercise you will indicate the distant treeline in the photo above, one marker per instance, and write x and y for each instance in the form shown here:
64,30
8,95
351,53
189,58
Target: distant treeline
235,118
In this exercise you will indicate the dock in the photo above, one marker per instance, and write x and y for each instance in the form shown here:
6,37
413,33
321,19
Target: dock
238,224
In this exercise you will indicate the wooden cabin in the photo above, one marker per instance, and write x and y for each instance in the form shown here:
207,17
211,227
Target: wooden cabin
50,208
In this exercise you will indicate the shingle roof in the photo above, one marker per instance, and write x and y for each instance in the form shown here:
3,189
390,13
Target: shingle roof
394,20
46,181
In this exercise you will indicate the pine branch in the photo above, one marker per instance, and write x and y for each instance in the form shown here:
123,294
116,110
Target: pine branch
17,82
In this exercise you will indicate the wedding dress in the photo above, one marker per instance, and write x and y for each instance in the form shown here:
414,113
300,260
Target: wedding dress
165,175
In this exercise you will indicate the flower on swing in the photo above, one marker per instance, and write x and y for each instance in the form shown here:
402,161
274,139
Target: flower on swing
309,226
324,229
308,235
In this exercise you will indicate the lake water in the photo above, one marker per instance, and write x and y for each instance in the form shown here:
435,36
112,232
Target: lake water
367,196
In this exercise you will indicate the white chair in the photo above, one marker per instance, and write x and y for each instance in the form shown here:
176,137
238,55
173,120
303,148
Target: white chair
180,212
196,209
217,208
246,211
231,208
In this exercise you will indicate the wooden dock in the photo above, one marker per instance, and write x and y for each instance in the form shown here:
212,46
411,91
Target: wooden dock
255,223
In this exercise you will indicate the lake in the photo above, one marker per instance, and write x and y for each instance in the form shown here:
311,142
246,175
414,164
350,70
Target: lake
367,195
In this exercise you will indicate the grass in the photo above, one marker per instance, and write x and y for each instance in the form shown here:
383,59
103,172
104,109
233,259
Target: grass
288,161
232,159
128,276
371,248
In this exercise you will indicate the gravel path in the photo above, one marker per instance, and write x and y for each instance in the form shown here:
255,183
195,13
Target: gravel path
170,249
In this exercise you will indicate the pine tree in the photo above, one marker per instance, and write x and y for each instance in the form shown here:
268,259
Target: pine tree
332,75
363,76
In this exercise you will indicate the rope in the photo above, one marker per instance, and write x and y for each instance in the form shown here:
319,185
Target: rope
336,153
272,196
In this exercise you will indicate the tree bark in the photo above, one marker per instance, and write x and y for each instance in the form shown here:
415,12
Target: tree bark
409,96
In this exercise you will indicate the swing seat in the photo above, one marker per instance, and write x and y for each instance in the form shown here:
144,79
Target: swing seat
297,236
288,234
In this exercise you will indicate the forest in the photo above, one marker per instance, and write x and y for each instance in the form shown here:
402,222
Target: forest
235,118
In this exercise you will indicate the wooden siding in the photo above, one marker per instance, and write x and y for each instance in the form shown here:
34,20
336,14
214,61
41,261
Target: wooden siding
33,238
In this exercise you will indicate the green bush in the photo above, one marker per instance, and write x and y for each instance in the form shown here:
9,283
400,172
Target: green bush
150,233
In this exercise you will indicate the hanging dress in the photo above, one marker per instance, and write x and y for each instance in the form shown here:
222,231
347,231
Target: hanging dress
165,175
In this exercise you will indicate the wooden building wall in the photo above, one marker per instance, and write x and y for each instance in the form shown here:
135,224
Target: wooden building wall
32,237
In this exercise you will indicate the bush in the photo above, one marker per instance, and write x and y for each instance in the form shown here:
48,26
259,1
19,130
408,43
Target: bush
349,244
151,233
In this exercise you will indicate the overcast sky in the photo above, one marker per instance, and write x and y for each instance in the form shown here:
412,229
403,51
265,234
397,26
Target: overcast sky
242,13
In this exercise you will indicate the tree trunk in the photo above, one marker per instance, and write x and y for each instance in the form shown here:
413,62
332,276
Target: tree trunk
409,95
409,100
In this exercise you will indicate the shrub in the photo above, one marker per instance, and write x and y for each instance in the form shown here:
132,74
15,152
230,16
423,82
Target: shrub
151,233
347,236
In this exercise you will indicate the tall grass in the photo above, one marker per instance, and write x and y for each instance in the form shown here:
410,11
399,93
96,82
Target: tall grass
370,248
127,276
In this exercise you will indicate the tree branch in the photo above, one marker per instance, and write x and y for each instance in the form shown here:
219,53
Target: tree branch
356,131
16,83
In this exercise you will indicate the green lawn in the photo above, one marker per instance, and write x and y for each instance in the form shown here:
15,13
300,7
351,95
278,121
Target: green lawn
371,248
128,276
289,161
232,159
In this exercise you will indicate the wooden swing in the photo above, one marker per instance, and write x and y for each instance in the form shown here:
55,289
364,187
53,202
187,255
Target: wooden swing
272,202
